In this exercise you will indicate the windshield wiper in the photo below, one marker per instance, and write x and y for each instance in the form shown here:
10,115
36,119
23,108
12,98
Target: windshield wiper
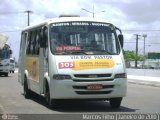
96,51
78,52
104,51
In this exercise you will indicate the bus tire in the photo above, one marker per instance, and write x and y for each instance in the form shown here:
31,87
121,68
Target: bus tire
115,102
6,74
51,103
27,92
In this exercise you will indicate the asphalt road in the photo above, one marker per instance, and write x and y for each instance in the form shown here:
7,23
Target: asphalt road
139,99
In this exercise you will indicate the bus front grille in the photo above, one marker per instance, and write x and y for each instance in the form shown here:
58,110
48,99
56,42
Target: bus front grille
85,87
92,75
83,90
94,80
92,92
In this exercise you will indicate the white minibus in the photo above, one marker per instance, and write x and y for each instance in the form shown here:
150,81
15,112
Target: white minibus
73,58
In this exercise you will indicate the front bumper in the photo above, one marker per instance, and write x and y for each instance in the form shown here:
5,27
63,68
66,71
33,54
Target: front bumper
68,89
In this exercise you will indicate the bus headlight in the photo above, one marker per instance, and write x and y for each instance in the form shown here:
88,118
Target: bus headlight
120,75
61,77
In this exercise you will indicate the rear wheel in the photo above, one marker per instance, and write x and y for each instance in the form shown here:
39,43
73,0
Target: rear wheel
115,102
27,92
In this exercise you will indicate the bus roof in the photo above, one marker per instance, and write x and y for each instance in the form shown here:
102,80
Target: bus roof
68,19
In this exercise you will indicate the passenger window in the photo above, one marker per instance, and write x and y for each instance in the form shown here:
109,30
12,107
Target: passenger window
33,43
23,41
32,47
28,51
37,43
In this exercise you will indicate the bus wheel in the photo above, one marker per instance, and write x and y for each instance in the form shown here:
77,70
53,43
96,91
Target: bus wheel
27,92
6,74
47,96
115,102
51,103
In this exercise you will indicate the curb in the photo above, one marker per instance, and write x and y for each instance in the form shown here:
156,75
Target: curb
140,82
143,80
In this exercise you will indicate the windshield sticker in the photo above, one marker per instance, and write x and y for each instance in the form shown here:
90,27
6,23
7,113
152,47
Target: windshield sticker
67,48
81,29
80,23
91,57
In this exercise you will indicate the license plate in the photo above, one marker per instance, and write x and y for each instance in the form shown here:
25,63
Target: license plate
94,87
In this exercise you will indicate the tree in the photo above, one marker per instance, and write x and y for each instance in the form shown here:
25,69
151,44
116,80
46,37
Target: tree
131,56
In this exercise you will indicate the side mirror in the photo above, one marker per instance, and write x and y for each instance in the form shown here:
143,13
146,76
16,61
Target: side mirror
43,37
121,39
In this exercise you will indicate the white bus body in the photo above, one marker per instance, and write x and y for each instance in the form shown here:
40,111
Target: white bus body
73,58
4,67
5,54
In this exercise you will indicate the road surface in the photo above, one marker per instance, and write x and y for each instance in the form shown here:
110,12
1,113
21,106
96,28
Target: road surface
139,99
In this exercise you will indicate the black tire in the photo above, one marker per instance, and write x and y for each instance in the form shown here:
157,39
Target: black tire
6,74
27,92
51,103
115,102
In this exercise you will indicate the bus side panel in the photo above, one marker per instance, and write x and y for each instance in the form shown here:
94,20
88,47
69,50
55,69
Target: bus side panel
32,66
42,70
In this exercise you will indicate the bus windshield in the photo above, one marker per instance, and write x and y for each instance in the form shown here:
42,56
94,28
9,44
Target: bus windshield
83,38
4,54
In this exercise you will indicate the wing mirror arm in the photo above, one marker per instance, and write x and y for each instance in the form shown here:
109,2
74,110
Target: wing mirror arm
120,37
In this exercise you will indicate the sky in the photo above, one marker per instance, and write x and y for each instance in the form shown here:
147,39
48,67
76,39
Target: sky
132,16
